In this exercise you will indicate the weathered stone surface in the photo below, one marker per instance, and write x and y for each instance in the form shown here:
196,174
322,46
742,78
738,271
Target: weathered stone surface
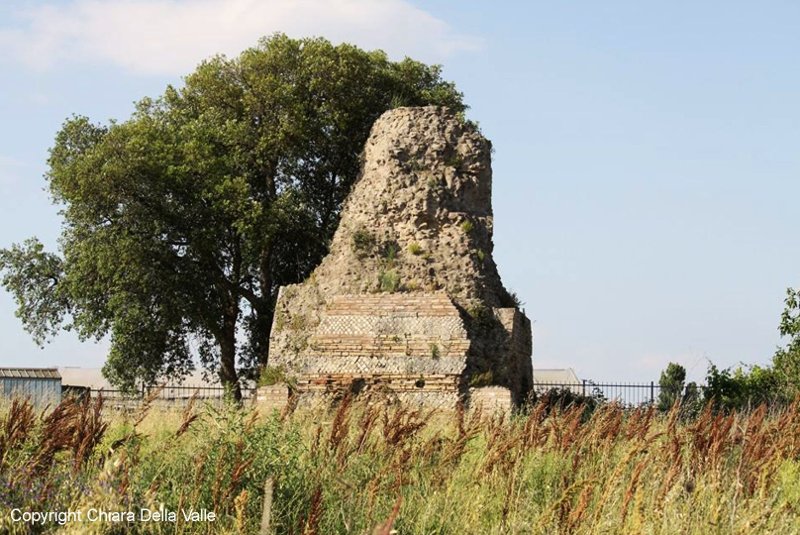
491,399
272,397
409,297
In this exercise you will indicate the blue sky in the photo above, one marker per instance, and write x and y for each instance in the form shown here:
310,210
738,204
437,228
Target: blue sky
646,173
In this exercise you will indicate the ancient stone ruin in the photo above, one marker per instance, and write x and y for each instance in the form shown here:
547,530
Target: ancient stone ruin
409,301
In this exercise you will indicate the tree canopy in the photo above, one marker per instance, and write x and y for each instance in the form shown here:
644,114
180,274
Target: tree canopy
180,223
671,385
777,383
787,359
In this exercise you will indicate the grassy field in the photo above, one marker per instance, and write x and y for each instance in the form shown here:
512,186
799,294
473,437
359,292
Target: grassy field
369,468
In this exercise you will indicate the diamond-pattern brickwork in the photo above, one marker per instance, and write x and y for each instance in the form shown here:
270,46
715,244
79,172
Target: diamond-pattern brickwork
407,342
390,325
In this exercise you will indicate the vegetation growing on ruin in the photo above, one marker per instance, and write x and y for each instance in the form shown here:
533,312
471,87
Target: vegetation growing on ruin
389,281
363,242
454,160
480,379
272,375
467,226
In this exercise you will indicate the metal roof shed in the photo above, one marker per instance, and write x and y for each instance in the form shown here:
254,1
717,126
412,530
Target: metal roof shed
41,385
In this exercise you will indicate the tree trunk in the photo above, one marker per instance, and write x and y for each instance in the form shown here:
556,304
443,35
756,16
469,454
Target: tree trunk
264,312
227,369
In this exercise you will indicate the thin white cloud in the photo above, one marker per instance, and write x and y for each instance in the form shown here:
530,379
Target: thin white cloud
170,37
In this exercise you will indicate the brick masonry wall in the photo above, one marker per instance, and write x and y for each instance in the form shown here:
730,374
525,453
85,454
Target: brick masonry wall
491,399
274,397
518,351
407,335
428,400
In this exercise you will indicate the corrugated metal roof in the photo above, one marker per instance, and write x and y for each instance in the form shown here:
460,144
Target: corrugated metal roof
29,373
551,376
93,378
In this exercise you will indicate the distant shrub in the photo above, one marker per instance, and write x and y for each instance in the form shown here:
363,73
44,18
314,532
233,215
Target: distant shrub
564,398
743,388
671,385
415,249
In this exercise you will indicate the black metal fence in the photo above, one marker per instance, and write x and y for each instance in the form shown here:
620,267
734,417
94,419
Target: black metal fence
172,395
626,394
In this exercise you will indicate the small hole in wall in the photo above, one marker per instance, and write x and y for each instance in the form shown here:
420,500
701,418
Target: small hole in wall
419,383
357,386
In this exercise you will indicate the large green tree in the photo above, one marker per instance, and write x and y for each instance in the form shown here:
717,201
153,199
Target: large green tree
180,223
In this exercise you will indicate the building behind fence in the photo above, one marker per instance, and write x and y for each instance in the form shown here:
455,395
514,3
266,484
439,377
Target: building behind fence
78,381
41,385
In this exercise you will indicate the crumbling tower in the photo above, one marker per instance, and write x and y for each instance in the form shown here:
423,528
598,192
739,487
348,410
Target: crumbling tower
409,300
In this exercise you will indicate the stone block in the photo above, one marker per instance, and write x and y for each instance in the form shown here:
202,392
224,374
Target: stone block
272,397
491,399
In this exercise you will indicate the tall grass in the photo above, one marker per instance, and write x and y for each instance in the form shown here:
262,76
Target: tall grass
365,467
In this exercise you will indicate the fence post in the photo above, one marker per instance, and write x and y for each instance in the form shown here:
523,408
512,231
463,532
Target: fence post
584,388
266,511
652,392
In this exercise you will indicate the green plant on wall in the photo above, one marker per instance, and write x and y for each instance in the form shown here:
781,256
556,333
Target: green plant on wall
454,160
481,317
515,299
389,252
467,226
415,249
272,375
363,242
389,281
481,379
